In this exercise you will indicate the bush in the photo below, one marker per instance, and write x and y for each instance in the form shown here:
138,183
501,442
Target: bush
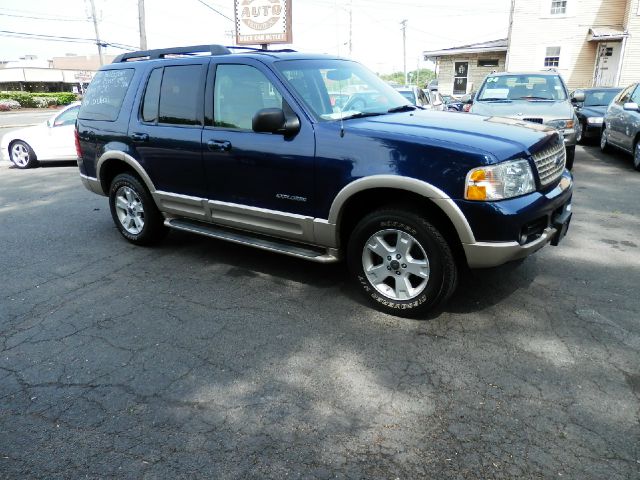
45,102
6,105
31,100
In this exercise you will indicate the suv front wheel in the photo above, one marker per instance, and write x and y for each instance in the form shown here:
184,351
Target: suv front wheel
134,211
401,262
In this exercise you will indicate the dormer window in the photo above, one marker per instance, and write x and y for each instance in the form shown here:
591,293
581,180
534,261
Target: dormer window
558,7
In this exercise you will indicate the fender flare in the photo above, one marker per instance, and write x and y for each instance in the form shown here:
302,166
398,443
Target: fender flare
424,189
129,160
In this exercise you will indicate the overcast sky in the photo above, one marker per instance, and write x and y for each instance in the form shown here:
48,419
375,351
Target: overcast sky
318,26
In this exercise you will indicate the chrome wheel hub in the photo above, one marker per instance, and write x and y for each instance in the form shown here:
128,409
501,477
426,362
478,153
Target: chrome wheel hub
130,210
395,264
20,155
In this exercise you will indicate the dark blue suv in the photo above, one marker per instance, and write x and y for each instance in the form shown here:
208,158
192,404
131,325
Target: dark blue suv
248,147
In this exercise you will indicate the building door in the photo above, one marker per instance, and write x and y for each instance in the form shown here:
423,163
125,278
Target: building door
460,78
607,63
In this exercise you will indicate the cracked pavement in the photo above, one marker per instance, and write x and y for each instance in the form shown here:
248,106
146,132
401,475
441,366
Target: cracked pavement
204,359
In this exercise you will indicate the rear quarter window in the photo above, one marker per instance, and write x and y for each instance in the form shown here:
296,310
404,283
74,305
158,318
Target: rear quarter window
105,95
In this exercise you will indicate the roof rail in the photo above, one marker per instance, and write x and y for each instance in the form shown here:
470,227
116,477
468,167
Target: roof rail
254,49
164,52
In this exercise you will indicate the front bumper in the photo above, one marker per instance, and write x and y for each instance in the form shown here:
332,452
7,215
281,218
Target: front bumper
569,137
592,130
529,222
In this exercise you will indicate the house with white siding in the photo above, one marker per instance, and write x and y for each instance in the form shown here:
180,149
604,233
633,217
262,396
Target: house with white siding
590,42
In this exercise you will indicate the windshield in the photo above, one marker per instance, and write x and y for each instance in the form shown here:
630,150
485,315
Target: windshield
599,98
316,80
522,87
408,95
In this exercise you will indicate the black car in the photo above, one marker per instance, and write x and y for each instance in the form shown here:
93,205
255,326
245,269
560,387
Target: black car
247,147
591,105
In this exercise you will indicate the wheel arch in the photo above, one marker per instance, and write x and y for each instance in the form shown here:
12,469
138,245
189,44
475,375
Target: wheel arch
367,194
112,163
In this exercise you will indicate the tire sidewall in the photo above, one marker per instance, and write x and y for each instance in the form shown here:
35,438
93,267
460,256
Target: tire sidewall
636,156
376,223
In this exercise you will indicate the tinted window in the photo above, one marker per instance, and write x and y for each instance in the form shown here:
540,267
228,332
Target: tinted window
635,98
409,96
625,96
151,97
179,95
68,117
239,92
105,95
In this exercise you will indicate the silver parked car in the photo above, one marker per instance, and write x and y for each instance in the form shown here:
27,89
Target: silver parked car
416,96
539,97
621,128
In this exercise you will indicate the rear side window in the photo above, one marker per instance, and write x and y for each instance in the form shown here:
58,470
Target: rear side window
151,97
179,95
105,95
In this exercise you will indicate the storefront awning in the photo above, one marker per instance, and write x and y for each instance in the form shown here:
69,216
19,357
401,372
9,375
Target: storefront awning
601,34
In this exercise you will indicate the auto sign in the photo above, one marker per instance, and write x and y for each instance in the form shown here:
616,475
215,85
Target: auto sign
263,21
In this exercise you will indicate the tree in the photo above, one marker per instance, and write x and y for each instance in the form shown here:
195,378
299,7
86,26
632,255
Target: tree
416,77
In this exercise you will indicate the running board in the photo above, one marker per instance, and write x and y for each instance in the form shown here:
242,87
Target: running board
253,240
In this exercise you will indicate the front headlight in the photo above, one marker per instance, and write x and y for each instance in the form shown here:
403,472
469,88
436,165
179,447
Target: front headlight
497,182
595,120
560,124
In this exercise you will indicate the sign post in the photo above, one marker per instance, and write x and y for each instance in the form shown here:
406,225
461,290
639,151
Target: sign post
263,22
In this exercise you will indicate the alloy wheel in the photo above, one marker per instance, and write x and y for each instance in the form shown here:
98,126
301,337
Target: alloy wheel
396,264
130,210
20,154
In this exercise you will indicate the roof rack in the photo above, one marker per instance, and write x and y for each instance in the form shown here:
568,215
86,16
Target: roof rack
254,49
164,52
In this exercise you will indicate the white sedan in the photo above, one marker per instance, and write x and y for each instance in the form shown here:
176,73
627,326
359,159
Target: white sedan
50,140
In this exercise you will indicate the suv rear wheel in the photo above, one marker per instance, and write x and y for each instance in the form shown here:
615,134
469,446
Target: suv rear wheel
604,144
401,262
134,211
636,156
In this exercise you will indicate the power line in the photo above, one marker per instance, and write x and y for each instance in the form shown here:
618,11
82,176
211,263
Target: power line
44,18
59,38
218,12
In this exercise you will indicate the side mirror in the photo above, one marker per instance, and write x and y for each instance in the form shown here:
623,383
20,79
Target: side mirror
578,97
273,120
631,106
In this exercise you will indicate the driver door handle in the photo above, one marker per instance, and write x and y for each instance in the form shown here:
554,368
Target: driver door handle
219,145
140,137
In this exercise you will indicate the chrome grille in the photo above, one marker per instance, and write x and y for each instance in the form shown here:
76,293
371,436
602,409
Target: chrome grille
550,163
534,120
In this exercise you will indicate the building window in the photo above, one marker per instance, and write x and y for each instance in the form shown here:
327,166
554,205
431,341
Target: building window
488,62
552,57
558,7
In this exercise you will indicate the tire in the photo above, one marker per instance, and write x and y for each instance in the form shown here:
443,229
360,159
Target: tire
22,155
604,145
636,156
409,243
134,212
580,127
571,155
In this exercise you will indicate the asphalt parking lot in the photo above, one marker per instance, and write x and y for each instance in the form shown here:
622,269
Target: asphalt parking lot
203,359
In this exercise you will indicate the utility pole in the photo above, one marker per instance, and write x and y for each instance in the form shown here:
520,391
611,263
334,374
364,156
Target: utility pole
141,25
95,26
350,28
404,49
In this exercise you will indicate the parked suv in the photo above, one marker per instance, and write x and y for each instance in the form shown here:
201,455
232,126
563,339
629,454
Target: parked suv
248,148
621,126
538,97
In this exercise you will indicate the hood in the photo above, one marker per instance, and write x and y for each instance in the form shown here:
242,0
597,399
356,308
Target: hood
594,111
557,110
499,138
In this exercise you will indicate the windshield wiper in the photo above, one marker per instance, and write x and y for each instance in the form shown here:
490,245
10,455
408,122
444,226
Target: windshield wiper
532,97
362,115
402,108
494,100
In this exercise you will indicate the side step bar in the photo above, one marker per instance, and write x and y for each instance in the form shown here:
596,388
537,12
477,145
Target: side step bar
253,240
